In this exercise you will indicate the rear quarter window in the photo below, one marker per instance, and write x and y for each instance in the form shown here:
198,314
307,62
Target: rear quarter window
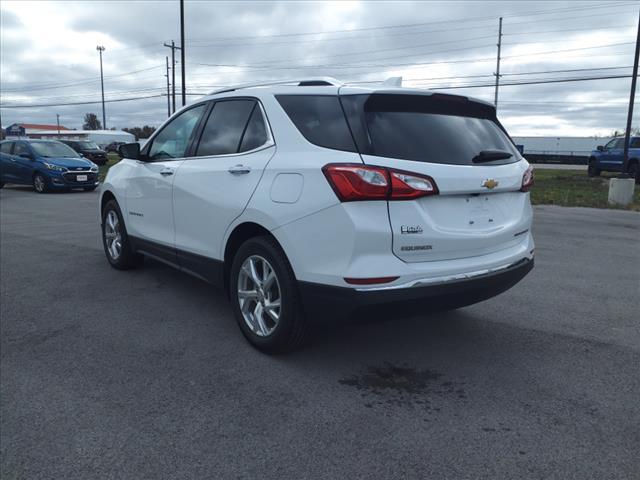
320,119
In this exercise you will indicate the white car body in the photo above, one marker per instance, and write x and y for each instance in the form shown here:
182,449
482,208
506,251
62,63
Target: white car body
195,205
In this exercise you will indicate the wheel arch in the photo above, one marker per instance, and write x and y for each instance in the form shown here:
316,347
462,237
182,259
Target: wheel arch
240,234
106,197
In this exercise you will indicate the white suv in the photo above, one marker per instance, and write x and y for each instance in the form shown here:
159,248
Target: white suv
310,198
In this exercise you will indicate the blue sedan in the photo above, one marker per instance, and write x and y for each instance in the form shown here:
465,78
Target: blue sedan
45,164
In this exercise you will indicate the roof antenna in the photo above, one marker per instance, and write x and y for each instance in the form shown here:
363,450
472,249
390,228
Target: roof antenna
393,82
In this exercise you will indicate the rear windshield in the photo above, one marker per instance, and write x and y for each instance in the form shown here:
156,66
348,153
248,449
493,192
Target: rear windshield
53,149
436,128
426,128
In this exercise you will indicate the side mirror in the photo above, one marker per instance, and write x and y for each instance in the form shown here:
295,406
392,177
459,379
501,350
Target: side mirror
130,150
600,148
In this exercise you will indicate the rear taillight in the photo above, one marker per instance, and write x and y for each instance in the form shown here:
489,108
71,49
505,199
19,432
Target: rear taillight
355,182
527,180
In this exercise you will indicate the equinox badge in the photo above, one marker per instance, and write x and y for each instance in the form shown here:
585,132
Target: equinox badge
490,183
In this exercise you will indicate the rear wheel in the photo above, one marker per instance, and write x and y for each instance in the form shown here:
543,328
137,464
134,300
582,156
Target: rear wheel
39,183
116,242
265,297
592,169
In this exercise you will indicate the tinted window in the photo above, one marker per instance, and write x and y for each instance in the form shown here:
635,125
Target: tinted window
320,119
174,138
5,147
436,129
255,134
635,143
52,149
619,143
226,124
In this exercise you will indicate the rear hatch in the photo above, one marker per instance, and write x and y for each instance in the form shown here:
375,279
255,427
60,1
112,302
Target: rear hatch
460,144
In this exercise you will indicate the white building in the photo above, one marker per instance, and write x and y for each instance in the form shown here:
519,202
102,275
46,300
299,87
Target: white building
100,137
571,146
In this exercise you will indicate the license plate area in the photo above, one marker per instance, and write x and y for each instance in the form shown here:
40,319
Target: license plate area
81,178
481,211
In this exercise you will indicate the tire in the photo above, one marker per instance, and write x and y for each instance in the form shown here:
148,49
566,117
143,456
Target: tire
634,171
592,169
89,189
291,329
40,183
123,258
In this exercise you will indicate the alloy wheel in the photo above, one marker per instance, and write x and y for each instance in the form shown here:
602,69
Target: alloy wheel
259,295
38,183
113,235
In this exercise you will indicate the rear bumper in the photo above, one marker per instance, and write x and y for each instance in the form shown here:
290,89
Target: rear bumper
331,302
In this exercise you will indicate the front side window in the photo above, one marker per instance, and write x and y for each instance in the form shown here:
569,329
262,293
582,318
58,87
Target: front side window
612,144
5,147
225,127
173,140
635,143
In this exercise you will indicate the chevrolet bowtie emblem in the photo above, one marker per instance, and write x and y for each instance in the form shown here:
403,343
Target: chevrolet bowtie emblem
490,183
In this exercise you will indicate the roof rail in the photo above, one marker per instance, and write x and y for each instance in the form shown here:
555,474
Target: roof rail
301,82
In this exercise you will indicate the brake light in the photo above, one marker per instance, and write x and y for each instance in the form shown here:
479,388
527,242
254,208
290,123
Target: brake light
527,180
356,182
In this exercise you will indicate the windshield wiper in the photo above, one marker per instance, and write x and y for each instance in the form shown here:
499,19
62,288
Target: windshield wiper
490,156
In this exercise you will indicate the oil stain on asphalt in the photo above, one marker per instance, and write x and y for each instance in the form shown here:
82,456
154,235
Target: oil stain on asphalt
402,386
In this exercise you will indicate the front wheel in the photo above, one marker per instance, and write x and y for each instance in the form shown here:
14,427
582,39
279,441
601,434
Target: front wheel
265,297
39,183
592,169
116,242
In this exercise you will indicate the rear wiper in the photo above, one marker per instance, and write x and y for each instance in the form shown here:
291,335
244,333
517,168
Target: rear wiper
490,156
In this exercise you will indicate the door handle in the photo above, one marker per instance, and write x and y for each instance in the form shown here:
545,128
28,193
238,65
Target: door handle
166,171
239,170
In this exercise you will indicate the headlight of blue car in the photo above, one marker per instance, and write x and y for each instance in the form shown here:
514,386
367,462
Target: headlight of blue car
55,168
94,167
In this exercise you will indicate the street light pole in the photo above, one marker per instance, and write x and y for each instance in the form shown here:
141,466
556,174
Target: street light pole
58,122
625,161
104,118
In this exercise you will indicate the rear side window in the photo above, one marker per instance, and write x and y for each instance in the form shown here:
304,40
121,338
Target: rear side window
635,143
436,129
320,119
5,147
255,134
20,148
225,127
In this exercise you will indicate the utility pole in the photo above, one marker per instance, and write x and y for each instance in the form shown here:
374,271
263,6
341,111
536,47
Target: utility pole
184,91
58,122
104,118
634,78
497,74
173,70
168,92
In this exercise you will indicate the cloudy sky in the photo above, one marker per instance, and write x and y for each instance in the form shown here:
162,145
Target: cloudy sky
49,58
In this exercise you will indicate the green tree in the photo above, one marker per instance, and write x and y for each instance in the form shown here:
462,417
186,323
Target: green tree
91,122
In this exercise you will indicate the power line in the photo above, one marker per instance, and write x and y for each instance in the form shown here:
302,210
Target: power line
82,103
538,82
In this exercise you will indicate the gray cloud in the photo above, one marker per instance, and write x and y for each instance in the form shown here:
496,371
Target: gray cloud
255,36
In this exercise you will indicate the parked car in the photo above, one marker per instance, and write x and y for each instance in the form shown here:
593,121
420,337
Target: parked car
374,197
45,164
610,157
89,150
113,147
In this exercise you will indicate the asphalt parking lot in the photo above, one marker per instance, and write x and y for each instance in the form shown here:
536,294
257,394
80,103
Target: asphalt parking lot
144,374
